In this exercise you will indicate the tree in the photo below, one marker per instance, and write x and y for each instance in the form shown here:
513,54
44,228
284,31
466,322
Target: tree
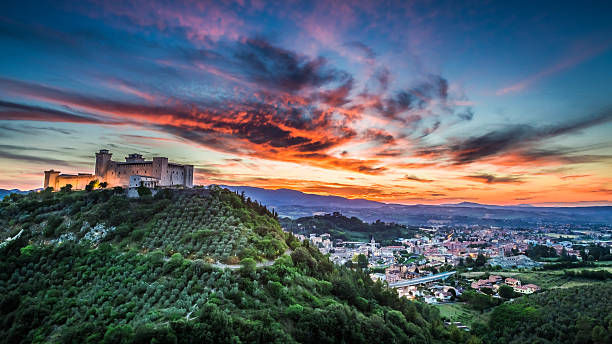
143,191
469,261
362,261
599,335
92,185
66,188
121,334
480,260
249,266
103,185
506,291
488,291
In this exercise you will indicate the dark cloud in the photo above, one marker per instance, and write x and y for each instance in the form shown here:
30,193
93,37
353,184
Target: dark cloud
15,148
518,138
466,115
418,179
16,111
492,179
370,169
389,152
419,97
339,95
33,158
380,136
283,69
430,130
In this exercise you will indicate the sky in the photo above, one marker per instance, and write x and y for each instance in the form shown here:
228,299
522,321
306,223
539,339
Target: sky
497,102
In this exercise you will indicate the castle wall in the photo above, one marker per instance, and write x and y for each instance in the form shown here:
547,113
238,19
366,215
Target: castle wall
78,182
118,174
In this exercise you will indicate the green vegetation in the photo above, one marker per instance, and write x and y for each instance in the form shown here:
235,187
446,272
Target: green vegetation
537,252
210,224
347,229
567,275
595,253
601,275
573,315
479,301
146,278
459,311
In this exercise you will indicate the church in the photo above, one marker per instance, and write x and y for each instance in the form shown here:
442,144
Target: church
134,170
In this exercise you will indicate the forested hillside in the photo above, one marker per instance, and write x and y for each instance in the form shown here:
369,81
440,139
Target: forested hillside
346,228
89,267
580,314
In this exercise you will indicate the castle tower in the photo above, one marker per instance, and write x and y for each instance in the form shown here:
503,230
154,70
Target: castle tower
51,179
188,176
160,170
103,159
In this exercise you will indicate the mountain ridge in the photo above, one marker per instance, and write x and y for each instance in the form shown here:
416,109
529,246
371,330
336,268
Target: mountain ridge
294,204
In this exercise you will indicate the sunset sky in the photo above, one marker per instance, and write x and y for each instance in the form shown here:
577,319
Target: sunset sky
504,102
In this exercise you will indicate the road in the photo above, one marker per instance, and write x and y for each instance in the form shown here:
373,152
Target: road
259,265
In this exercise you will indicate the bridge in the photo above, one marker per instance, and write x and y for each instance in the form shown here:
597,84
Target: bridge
421,280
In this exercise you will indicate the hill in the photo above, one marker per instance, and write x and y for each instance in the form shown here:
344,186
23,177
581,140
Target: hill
345,228
90,267
295,204
571,315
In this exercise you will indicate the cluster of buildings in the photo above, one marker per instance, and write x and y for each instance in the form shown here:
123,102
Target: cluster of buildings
444,249
131,173
519,261
493,282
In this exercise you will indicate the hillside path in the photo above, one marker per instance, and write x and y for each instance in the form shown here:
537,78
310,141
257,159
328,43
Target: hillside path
259,264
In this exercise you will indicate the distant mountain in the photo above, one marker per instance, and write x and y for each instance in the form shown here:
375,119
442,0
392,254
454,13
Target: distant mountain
479,205
4,192
285,197
295,204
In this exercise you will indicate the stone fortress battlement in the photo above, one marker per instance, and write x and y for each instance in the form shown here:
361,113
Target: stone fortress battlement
156,172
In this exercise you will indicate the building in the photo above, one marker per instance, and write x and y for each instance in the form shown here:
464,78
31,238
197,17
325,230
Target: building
483,283
495,279
156,172
527,288
513,282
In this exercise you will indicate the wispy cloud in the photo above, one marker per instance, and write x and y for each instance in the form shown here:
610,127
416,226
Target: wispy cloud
418,179
493,179
564,64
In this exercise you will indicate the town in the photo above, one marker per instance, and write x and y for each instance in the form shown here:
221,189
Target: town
438,264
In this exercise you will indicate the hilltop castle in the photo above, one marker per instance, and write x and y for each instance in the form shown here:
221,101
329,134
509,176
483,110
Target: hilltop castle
131,173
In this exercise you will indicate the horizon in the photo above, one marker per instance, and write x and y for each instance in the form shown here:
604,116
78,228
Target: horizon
543,204
422,103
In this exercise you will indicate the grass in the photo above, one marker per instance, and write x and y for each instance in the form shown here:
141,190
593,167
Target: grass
606,263
460,312
547,278
473,274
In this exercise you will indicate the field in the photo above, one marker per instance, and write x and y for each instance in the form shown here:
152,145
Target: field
547,279
460,312
559,235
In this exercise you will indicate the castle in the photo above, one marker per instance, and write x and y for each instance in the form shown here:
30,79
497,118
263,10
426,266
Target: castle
131,173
